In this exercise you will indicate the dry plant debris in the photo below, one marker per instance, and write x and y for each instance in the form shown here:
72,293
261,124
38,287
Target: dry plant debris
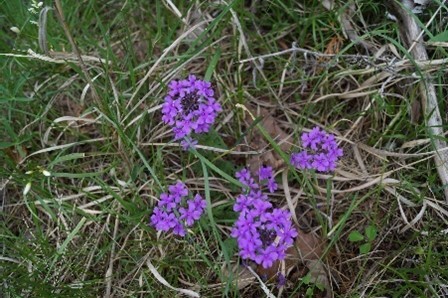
258,142
412,36
307,252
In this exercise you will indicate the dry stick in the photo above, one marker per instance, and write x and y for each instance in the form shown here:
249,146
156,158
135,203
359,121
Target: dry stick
305,52
43,30
110,268
60,16
418,39
55,57
291,204
410,32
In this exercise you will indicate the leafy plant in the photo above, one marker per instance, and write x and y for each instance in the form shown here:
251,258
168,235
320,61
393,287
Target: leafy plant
370,233
312,285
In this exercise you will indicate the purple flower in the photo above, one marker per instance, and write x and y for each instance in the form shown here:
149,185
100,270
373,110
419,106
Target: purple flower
281,280
167,201
313,138
258,195
267,257
321,152
178,190
192,213
259,207
188,143
265,176
246,179
190,107
199,202
242,203
263,233
170,110
177,210
243,175
157,216
272,185
179,230
163,221
265,173
288,233
301,160
321,162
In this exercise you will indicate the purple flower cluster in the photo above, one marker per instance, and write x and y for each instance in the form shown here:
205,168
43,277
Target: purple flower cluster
176,210
263,233
321,152
265,175
189,107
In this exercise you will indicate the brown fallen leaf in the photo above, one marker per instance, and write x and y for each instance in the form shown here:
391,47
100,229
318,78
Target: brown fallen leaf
307,251
258,142
15,154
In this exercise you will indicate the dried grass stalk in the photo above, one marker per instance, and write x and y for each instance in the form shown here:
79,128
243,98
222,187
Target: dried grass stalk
412,36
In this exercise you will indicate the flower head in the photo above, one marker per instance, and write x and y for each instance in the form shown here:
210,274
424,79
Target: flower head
190,107
321,152
281,280
263,233
262,237
265,176
177,210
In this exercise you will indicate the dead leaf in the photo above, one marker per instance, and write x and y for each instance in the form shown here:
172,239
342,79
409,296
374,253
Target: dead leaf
333,48
416,111
14,153
307,251
258,142
309,246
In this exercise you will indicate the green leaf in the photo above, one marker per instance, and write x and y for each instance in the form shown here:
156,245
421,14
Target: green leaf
75,175
371,232
216,169
70,236
67,157
355,236
420,251
231,245
4,145
307,279
212,65
212,139
210,212
16,99
365,248
441,37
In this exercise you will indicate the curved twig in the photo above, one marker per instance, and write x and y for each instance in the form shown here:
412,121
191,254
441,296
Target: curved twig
412,36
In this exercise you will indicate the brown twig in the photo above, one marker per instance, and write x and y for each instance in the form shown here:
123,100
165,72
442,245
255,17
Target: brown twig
60,16
411,34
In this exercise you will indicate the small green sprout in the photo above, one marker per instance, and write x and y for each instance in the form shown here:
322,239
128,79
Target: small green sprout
370,235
